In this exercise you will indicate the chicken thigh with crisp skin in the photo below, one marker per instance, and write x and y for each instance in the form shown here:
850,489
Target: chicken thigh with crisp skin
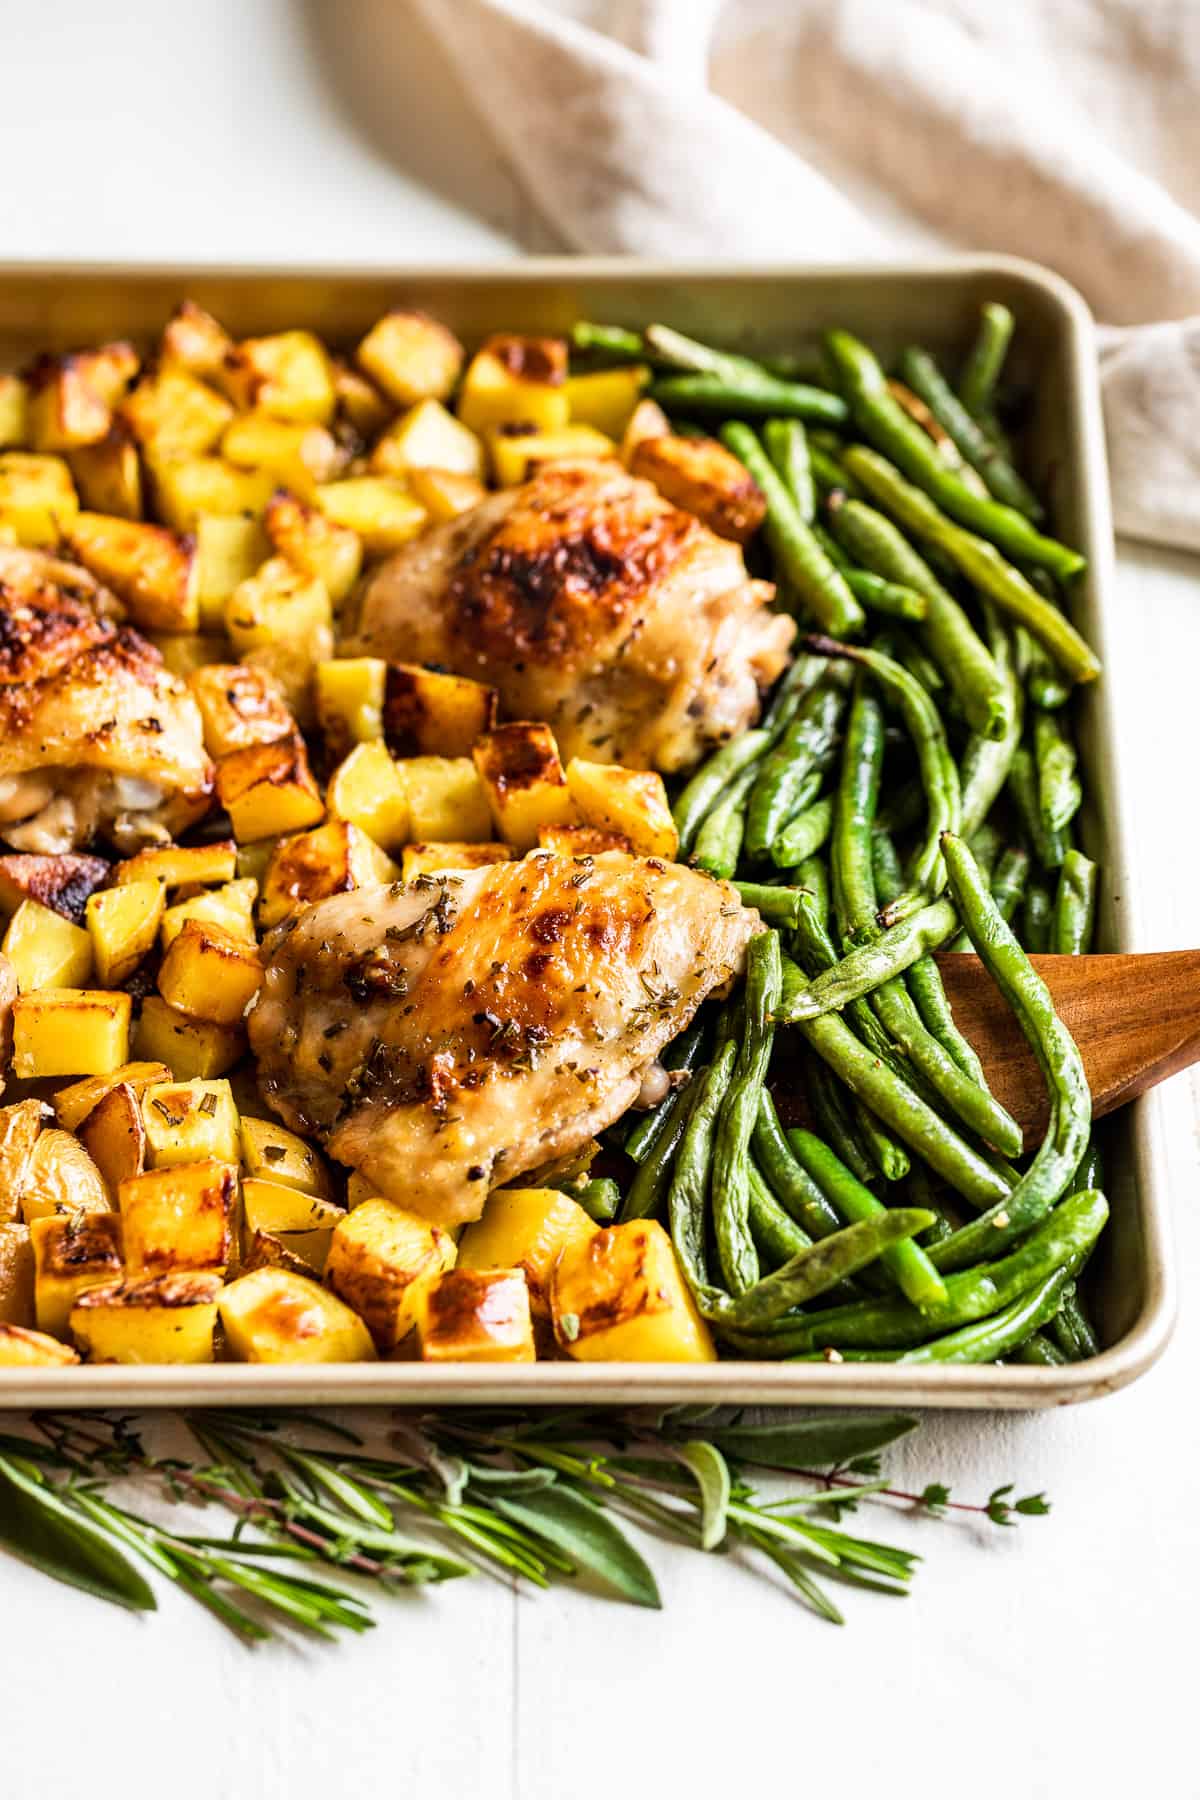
590,602
95,734
458,1031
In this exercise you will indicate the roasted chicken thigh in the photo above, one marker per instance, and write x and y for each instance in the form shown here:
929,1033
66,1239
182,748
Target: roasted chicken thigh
588,601
463,1029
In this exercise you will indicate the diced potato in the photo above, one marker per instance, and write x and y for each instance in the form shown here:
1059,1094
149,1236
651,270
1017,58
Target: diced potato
474,1315
108,475
526,1229
379,508
300,1223
268,788
37,497
14,413
428,713
444,494
298,455
21,1348
46,950
359,402
173,415
428,437
70,1031
151,569
239,705
427,859
517,456
187,488
620,1296
231,907
179,865
446,799
606,398
61,1177
71,397
703,477
194,1048
114,1135
180,1217
16,1275
314,544
158,1319
287,375
193,340
349,698
278,1156
369,790
411,357
581,840
273,1315
123,922
186,651
648,420
263,1250
228,550
190,1122
253,859
313,864
379,1259
516,381
209,974
71,1253
277,602
73,1104
20,1127
526,787
632,802
61,883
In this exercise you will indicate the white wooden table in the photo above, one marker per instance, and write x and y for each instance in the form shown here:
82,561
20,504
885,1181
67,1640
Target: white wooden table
1033,1662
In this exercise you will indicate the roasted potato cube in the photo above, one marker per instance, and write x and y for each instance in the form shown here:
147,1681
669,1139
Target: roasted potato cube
349,698
46,950
427,859
180,1217
172,415
526,788
183,652
186,488
228,551
272,1316
428,437
71,397
61,883
298,455
648,420
276,603
526,1229
474,1315
194,1048
254,858
359,402
632,802
263,1250
239,706
517,455
70,1031
181,865
515,381
159,1319
446,799
313,864
275,1155
20,1127
151,569
379,1259
620,1296
16,1275
21,1348
14,413
427,713
193,340
411,357
369,790
268,788
231,907
287,375
108,475
71,1252
444,494
379,508
123,923
209,974
606,398
299,1223
581,840
37,497
314,544
190,1122
73,1104
114,1135
61,1177
702,477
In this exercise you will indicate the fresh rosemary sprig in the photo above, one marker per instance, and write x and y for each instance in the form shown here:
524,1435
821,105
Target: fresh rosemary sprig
535,1496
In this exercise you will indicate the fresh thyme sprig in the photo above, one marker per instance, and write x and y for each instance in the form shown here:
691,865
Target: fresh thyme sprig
535,1497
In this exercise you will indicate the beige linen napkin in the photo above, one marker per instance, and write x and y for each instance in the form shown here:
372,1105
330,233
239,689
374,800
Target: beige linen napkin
1063,130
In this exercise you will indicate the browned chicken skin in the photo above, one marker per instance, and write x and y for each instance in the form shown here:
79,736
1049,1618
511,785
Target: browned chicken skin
95,734
588,601
464,1029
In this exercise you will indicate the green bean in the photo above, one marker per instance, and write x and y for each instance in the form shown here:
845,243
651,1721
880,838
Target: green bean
687,1203
683,1053
803,835
981,562
777,906
1008,883
832,549
821,1267
811,735
648,1190
1067,1331
1090,1173
820,586
831,1113
853,817
906,1262
1039,1351
920,371
731,1199
787,447
777,1237
986,847
829,475
712,780
600,1199
719,844
902,647
888,597
790,692
861,971
901,809
985,359
765,398
1037,670
1049,847
1075,906
986,760
813,877
885,424
948,634
1037,924
613,340
923,978
1059,792
998,1336
1059,1154
792,1185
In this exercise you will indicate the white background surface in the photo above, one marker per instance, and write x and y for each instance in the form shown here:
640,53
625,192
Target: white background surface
1031,1663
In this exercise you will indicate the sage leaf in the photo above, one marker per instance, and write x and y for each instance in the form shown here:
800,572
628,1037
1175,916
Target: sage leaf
578,1527
44,1530
712,1478
812,1443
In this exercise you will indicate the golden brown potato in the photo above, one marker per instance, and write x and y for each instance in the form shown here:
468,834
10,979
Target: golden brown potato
70,1031
268,788
123,923
526,785
330,860
619,1296
581,840
475,1315
194,1048
273,1315
360,405
73,1104
159,1319
209,974
108,475
60,1177
411,357
71,1252
114,1135
148,567
16,1275
380,1258
71,397
21,1348
180,1218
703,477
181,865
193,340
171,414
427,859
427,713
515,381
287,375
239,706
315,544
630,802
445,494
